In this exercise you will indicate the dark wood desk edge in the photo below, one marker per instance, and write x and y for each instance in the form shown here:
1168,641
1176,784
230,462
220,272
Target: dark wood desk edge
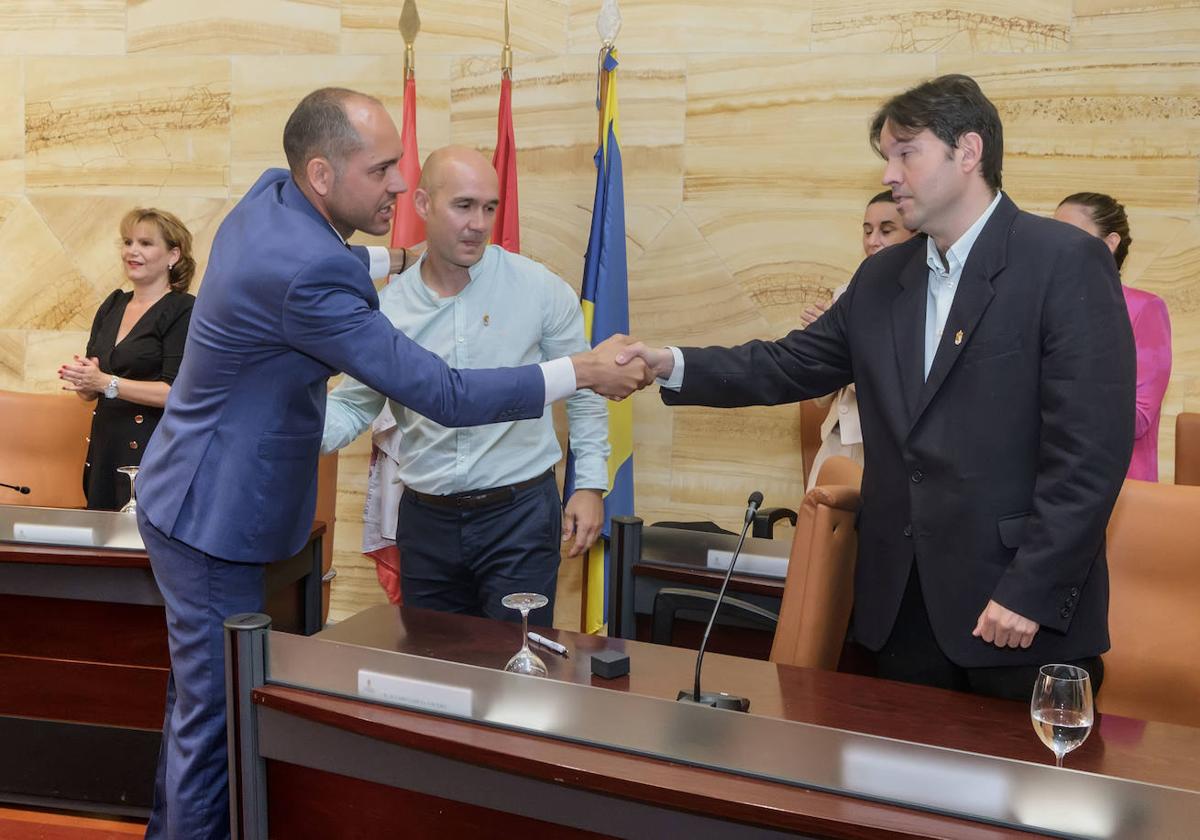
648,780
754,584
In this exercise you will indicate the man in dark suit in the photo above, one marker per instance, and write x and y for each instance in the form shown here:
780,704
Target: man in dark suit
995,369
228,482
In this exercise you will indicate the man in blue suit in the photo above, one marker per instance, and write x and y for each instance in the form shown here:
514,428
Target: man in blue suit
228,482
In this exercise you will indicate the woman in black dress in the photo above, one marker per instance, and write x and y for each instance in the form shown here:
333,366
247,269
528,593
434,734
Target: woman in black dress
134,351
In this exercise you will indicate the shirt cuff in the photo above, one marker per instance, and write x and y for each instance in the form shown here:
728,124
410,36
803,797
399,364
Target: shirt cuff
675,381
559,375
381,262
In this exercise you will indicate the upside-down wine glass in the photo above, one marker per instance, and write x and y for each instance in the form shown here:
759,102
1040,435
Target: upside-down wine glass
131,505
525,661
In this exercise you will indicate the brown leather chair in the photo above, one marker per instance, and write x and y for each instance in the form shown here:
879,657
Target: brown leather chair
1187,448
1152,671
819,590
43,447
840,470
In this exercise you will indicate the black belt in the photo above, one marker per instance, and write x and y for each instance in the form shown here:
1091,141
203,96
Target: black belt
473,499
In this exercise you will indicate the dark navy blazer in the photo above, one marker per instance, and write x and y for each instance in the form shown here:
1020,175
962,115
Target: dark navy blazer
285,304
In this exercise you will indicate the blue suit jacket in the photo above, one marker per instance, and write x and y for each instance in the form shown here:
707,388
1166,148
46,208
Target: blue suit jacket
285,304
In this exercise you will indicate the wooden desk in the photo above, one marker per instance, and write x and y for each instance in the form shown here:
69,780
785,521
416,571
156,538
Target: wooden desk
309,802
84,665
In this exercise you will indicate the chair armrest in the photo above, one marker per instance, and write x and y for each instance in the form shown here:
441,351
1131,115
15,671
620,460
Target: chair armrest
765,519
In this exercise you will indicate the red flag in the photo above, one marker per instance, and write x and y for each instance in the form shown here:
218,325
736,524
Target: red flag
407,227
507,233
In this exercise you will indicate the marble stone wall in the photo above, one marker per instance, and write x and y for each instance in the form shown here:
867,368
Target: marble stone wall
746,162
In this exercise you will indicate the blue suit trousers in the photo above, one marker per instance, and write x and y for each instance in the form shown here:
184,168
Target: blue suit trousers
191,787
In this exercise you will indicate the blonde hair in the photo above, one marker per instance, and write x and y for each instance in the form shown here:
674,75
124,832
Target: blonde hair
175,234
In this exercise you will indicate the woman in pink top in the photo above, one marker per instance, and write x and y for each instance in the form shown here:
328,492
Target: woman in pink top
1102,216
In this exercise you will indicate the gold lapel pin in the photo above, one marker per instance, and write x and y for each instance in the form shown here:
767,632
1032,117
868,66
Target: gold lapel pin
958,337
486,320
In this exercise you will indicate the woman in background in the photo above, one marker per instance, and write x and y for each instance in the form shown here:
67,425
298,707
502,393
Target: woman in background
134,351
840,432
1104,217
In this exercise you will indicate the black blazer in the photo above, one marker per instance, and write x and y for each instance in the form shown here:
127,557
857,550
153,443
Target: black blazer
999,473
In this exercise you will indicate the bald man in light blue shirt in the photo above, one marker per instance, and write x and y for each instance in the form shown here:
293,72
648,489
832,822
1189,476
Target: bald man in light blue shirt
481,514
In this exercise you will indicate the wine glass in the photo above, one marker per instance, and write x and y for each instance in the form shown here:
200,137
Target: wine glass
525,661
1061,708
131,505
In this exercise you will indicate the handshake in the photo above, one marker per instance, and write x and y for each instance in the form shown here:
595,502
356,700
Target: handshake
618,366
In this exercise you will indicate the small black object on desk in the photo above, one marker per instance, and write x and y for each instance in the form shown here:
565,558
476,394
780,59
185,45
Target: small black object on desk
610,664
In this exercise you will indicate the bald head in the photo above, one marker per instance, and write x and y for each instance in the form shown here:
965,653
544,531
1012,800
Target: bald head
451,166
457,197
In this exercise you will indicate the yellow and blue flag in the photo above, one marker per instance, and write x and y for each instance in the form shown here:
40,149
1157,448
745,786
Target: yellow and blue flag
605,301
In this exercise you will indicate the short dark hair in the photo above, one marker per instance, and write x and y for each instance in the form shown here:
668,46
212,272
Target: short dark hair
1108,214
884,197
949,106
319,127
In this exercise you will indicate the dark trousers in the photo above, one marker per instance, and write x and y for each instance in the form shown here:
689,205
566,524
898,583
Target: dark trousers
191,787
912,654
465,561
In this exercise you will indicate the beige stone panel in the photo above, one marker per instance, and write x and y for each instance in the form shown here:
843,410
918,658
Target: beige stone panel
1123,123
62,27
12,360
459,27
219,27
696,26
719,456
12,127
1152,234
785,260
40,288
45,350
774,131
267,89
681,293
1122,24
111,124
355,588
966,26
88,228
1174,275
556,124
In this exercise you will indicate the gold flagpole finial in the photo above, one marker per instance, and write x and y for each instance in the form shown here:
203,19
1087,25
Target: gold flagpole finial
410,25
506,53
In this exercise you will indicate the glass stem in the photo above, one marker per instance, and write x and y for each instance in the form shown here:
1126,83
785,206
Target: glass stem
525,629
1058,757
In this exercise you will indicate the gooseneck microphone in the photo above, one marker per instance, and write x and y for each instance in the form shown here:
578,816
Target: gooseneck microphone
24,491
719,699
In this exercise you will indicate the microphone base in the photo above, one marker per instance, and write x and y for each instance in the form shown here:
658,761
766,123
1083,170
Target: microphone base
716,699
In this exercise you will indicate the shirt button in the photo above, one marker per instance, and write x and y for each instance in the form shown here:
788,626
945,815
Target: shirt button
908,530
917,476
137,418
133,444
843,409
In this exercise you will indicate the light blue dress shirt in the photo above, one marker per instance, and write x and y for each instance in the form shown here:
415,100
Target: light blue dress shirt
943,281
513,311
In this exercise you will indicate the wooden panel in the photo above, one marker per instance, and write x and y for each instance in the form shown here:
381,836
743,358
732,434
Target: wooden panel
307,804
112,695
83,631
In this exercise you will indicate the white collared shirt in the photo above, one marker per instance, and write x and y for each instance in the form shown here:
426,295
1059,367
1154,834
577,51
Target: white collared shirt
943,281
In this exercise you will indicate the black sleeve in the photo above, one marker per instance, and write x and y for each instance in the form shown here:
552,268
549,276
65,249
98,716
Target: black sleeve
97,322
174,336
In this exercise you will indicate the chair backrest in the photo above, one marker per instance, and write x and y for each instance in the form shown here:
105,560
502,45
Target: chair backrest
812,416
1152,670
840,470
43,447
1187,448
819,590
